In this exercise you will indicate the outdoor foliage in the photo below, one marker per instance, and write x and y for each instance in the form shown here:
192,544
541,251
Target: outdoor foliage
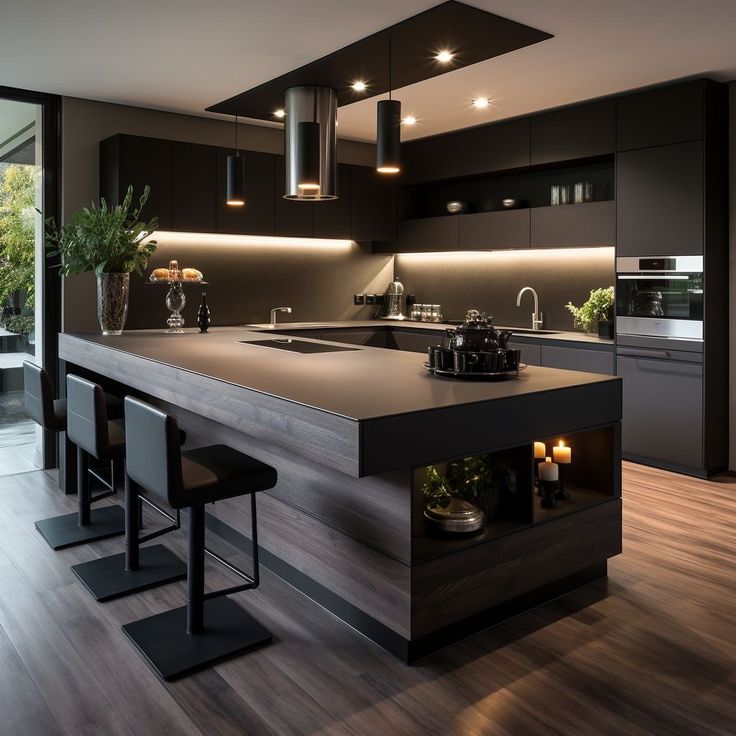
596,309
17,231
105,239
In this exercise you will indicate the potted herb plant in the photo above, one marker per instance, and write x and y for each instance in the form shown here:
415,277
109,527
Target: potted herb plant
597,310
113,243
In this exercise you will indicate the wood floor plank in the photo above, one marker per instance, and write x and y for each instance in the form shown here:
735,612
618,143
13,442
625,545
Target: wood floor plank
650,651
22,709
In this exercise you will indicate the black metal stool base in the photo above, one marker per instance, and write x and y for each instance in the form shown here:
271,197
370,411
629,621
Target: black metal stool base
162,639
106,577
64,531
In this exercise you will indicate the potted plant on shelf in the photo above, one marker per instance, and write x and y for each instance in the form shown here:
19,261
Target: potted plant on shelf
113,243
597,310
463,494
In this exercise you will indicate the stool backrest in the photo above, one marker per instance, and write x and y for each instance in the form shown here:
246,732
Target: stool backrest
39,394
153,450
86,415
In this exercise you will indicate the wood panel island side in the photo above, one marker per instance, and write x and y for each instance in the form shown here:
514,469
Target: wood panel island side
351,433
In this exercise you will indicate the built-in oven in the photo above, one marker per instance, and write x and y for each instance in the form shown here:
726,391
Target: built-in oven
660,296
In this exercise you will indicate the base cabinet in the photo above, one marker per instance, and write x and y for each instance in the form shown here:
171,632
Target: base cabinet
576,359
662,410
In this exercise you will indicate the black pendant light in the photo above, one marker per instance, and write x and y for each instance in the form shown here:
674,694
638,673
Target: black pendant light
235,196
388,130
307,158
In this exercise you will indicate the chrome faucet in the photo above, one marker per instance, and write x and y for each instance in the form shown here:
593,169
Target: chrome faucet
278,309
537,317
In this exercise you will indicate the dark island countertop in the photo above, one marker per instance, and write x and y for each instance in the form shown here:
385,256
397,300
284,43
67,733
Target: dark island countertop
363,409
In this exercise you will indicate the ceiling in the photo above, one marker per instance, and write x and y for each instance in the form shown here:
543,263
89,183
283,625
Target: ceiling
184,55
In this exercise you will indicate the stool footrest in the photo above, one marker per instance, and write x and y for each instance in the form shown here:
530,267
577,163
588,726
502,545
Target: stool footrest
251,581
163,641
65,531
106,577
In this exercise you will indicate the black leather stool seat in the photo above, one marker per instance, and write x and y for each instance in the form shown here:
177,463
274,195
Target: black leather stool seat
217,472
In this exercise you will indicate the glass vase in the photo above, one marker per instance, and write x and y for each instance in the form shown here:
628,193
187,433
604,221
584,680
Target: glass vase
113,290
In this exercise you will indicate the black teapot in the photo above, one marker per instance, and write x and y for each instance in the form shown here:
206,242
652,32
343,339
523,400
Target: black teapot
476,334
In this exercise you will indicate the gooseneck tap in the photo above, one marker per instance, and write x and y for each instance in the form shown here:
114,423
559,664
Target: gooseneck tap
278,309
537,317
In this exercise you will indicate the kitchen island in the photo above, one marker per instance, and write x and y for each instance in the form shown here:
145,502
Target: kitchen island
351,430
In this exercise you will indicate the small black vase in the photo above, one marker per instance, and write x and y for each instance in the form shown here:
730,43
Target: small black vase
605,329
203,315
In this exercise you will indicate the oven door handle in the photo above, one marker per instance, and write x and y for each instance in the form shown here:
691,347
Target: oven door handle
638,353
650,277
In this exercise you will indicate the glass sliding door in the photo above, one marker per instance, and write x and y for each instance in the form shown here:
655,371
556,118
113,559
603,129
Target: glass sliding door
27,293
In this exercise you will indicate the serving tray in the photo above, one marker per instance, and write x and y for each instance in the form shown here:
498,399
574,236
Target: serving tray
476,374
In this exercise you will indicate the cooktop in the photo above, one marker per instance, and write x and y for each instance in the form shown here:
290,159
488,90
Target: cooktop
297,346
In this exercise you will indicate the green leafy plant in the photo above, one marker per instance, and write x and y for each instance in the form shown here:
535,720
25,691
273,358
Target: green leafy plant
105,239
21,324
480,479
17,233
596,309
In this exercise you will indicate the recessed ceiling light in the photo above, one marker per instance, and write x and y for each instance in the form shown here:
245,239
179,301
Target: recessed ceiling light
481,103
409,120
359,86
444,56
280,113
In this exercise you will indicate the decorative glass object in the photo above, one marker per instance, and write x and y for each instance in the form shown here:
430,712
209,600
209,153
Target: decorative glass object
113,291
175,302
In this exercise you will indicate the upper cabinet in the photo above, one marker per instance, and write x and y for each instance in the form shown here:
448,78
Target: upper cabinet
660,200
193,192
256,217
430,159
583,131
494,147
128,159
672,114
371,204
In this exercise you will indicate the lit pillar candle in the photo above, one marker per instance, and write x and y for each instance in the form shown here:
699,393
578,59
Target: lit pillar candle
562,455
540,450
548,470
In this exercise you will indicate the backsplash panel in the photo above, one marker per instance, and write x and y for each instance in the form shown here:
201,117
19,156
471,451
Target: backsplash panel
491,281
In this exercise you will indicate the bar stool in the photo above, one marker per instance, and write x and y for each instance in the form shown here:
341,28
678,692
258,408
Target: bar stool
68,530
211,627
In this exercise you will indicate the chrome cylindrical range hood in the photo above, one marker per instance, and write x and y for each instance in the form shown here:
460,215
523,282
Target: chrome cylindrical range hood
311,143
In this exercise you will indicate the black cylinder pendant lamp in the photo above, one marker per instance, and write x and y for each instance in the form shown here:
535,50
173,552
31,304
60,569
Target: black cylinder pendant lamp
388,131
235,188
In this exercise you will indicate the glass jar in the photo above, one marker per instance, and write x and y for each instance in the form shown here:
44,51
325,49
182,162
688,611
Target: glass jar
416,312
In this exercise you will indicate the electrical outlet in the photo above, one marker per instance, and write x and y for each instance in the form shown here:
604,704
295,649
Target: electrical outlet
370,298
358,299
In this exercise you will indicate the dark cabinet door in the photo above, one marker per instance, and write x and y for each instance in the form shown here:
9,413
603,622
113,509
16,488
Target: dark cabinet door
194,187
256,217
426,234
134,160
332,216
430,159
577,359
372,193
531,353
662,410
660,201
494,230
583,131
672,114
591,223
293,219
495,147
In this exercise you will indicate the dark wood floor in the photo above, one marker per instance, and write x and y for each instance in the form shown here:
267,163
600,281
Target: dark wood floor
650,651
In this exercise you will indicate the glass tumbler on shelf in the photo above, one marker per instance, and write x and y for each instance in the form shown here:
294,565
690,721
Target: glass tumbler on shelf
175,302
424,313
416,312
554,194
435,313
565,193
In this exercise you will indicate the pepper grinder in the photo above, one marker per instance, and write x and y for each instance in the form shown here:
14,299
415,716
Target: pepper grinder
203,315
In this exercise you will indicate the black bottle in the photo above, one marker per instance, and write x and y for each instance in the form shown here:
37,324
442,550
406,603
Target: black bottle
203,315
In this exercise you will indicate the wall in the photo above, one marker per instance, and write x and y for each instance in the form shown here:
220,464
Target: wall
321,287
491,281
